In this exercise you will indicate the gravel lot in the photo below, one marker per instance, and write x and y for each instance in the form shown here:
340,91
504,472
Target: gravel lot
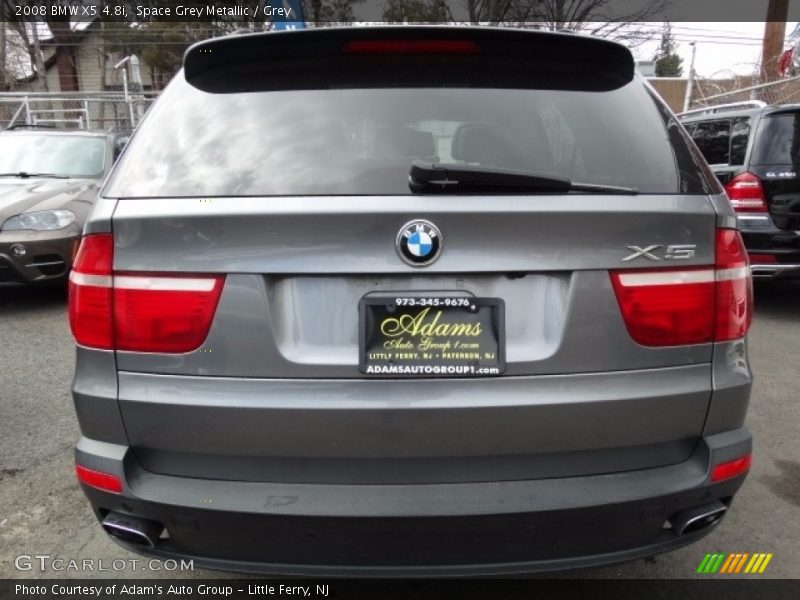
42,510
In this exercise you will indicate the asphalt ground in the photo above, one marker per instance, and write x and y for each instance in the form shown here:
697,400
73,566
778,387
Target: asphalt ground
43,512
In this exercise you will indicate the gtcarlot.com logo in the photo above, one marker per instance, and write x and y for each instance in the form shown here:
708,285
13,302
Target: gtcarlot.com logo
47,562
735,562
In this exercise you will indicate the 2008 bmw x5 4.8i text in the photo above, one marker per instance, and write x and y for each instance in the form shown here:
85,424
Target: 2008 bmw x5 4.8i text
410,301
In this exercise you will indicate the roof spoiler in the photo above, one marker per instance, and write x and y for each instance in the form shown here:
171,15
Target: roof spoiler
398,55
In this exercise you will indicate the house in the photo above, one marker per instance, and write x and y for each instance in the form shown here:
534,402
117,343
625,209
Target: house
80,67
85,65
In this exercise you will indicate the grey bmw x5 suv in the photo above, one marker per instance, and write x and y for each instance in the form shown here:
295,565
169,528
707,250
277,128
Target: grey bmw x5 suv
410,301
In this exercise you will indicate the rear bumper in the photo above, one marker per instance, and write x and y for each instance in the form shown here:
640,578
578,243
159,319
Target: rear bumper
484,528
762,237
774,271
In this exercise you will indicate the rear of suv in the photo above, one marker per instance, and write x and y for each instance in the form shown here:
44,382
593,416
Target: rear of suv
410,301
754,149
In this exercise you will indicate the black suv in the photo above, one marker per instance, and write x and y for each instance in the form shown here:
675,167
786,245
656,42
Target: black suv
754,149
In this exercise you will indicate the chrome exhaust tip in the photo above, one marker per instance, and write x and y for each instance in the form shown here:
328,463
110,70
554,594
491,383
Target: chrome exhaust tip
134,530
697,518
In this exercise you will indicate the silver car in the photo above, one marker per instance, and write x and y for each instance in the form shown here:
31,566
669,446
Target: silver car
410,301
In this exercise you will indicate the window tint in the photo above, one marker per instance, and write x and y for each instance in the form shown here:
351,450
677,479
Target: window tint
363,141
740,133
714,140
778,140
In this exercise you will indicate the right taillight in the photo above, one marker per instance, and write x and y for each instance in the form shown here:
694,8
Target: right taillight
139,312
675,307
734,294
746,193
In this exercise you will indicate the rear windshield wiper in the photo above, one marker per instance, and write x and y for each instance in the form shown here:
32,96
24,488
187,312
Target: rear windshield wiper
26,175
428,177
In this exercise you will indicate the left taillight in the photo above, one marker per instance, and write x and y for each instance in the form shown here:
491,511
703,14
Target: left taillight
668,307
162,313
139,312
90,301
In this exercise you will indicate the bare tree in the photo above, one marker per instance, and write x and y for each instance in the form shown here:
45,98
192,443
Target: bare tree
600,17
21,38
417,11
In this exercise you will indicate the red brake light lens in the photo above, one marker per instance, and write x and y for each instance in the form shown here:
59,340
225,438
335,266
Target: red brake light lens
152,312
163,313
746,193
731,468
666,307
734,290
410,47
90,292
99,480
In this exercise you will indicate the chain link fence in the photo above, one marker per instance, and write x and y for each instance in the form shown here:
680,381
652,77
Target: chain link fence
783,91
89,110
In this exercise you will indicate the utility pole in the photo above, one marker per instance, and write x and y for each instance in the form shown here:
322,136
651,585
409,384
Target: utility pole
137,87
687,98
774,34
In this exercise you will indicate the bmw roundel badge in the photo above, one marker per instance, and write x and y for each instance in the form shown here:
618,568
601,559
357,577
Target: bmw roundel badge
419,242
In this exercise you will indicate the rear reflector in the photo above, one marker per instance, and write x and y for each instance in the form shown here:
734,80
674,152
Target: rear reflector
99,480
410,47
666,307
731,468
762,259
147,312
746,193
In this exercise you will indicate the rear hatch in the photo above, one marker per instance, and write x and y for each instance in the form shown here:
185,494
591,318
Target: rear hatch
775,159
287,182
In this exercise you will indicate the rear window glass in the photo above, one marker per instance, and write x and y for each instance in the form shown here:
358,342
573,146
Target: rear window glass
740,134
722,141
778,140
363,141
714,139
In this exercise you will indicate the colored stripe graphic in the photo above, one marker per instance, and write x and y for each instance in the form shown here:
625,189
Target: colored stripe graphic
764,564
727,564
704,564
752,563
734,562
718,562
741,562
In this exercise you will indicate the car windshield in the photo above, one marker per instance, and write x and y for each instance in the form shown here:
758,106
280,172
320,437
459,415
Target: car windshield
363,141
53,154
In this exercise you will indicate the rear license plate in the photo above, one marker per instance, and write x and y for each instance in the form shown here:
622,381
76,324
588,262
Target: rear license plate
432,336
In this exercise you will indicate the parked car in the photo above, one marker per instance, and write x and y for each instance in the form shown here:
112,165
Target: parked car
48,183
410,300
754,149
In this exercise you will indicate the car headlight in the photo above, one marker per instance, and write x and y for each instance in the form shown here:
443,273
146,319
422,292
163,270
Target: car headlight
45,220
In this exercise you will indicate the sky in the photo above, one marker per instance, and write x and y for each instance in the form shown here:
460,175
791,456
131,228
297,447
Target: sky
723,49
